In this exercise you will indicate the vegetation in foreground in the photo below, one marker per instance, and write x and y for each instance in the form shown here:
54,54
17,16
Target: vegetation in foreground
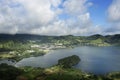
8,72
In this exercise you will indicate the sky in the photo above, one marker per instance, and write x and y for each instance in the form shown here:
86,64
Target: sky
60,17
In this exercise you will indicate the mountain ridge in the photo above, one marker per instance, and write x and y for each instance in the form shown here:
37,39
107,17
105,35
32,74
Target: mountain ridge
71,39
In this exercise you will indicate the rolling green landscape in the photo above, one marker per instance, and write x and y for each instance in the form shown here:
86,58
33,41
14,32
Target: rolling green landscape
19,46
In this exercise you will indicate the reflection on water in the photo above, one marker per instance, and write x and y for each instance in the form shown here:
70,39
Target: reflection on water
97,60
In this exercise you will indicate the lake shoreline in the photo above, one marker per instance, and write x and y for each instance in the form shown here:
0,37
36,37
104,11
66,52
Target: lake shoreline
69,50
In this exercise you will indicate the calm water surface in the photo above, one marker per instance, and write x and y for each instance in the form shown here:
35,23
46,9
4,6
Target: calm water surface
97,60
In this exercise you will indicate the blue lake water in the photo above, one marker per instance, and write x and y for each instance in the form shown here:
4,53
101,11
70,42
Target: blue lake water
97,60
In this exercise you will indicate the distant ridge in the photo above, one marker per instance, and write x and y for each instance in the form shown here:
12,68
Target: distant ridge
97,38
1,34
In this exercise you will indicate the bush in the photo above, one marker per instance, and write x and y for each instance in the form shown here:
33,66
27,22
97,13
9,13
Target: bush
8,72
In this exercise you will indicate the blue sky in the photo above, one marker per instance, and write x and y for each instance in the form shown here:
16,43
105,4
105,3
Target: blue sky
60,17
99,11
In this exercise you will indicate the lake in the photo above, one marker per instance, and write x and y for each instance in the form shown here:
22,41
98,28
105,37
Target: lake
97,60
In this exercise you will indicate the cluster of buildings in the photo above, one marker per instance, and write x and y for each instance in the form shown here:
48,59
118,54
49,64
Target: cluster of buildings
48,46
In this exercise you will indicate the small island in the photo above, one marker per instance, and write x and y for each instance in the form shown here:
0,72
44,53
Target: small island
69,61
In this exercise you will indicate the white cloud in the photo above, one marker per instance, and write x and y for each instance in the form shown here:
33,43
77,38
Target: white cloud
55,3
57,28
75,7
42,17
39,10
114,18
114,11
113,29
